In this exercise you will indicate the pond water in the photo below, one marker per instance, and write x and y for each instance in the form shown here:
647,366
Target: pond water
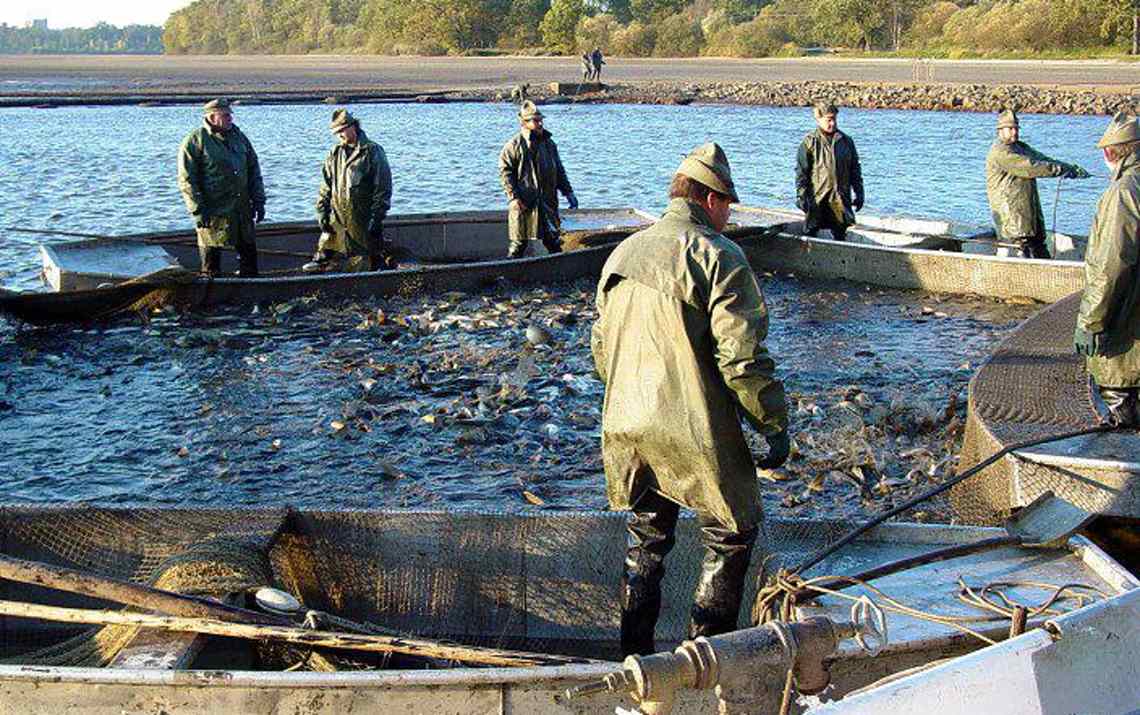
440,400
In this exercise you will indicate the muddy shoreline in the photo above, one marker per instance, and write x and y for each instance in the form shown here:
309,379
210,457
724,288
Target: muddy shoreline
1053,87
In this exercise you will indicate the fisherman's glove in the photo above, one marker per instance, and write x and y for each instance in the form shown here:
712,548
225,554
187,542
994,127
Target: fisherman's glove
1088,344
1072,171
325,224
779,447
202,221
572,200
1081,173
258,214
858,204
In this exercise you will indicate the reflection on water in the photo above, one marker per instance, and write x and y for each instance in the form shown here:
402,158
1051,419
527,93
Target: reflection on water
111,170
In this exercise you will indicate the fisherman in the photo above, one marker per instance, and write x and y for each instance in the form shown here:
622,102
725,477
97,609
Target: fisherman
354,198
827,174
596,63
1012,170
520,92
532,174
679,344
587,67
220,181
1108,324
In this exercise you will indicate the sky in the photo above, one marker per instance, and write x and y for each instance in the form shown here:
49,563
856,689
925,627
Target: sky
85,13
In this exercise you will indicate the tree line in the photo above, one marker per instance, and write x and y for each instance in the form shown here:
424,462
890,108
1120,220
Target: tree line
662,28
100,39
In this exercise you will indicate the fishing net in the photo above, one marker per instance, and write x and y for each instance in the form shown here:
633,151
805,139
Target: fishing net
1034,386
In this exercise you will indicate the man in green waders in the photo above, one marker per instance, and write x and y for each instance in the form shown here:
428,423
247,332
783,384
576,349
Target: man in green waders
1108,324
355,195
679,344
532,175
1012,170
829,177
220,181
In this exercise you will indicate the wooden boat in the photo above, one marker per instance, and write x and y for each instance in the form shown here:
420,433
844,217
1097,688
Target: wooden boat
99,277
544,582
940,257
1069,668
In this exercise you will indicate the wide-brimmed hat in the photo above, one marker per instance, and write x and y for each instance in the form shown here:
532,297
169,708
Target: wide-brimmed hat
342,119
1121,130
215,105
822,109
529,110
1007,119
708,165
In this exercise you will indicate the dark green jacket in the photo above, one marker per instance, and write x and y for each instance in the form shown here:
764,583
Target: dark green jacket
220,181
1111,302
356,190
532,172
1012,171
828,176
679,343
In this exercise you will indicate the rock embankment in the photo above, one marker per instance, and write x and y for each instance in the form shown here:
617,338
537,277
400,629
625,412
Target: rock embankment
927,96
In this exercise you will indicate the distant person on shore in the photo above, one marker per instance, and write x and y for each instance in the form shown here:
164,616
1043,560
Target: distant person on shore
1012,170
680,345
532,175
596,63
1108,324
587,67
829,178
220,181
354,198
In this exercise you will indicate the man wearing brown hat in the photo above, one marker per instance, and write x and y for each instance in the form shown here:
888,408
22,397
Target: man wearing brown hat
679,344
532,173
354,198
220,181
1108,324
1012,170
829,178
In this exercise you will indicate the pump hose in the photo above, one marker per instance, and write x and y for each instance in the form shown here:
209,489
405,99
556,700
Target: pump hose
867,526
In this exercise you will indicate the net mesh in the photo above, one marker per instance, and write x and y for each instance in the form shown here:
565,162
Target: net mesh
1034,386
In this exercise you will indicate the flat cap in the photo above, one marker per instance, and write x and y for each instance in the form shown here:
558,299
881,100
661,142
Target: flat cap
214,105
708,165
1121,130
822,109
342,119
1008,119
529,110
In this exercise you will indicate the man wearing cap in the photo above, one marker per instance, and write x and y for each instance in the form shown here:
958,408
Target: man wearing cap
827,174
1108,324
679,344
532,173
354,198
220,181
1012,170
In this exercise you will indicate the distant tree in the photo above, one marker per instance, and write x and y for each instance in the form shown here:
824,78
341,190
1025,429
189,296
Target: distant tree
558,25
653,11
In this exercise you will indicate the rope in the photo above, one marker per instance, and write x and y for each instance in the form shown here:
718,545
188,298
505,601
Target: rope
1083,594
1056,200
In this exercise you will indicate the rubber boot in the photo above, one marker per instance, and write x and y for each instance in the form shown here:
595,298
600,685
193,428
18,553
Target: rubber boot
1122,405
516,249
650,538
247,260
210,259
553,244
716,603
1034,248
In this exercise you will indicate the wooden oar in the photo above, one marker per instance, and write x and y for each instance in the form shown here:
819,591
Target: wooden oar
286,634
131,594
194,608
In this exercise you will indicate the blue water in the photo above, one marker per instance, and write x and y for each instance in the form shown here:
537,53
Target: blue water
111,170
